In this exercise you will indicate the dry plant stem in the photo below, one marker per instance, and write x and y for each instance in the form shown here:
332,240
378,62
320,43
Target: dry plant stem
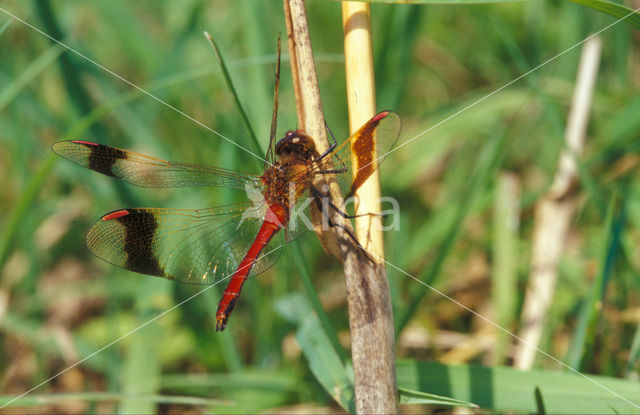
370,312
553,212
295,78
304,73
356,20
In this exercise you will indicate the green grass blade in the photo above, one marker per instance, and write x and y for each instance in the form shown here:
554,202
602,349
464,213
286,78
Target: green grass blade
272,381
394,56
540,408
142,368
504,275
312,297
25,201
257,80
243,114
413,397
70,70
503,389
249,391
5,26
585,329
634,354
58,398
630,16
324,361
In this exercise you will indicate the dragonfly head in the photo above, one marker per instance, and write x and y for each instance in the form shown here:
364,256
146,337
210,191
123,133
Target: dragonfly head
296,146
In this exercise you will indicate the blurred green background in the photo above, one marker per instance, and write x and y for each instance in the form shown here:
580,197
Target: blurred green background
58,304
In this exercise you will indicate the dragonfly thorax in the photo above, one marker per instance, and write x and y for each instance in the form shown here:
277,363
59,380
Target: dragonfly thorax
279,180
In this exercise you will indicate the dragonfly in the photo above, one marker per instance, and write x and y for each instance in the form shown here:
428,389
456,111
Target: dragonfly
234,242
204,246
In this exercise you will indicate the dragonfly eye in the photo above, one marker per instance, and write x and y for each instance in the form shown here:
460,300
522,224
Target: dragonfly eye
296,144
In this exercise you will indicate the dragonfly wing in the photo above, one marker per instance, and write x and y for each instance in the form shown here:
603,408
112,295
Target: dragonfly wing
353,161
145,171
361,154
191,246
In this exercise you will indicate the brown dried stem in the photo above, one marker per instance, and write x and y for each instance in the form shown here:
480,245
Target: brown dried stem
371,316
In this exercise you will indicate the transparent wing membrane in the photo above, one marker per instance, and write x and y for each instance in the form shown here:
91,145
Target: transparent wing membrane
145,171
190,246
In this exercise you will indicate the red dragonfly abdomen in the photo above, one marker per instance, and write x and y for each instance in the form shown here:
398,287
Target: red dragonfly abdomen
275,220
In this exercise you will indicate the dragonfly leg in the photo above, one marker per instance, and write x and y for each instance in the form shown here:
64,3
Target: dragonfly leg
353,238
333,171
331,147
317,198
317,194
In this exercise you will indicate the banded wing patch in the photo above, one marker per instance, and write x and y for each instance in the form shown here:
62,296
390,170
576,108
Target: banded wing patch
191,246
370,145
146,171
